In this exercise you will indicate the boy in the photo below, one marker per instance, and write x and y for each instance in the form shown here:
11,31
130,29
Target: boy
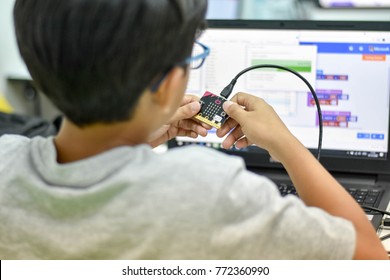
118,70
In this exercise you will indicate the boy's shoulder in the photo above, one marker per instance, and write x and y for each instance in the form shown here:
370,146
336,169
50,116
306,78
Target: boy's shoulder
12,148
9,143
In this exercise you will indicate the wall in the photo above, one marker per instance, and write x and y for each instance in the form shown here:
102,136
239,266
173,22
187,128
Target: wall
12,65
223,9
268,9
10,60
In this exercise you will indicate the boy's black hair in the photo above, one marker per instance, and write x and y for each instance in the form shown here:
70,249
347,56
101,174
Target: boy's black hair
94,58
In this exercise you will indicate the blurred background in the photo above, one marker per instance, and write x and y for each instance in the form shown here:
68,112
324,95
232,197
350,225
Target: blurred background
17,93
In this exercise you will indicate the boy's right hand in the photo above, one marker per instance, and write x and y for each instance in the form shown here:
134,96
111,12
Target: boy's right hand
253,121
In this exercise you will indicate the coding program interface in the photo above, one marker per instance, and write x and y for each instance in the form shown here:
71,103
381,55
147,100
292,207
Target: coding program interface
350,71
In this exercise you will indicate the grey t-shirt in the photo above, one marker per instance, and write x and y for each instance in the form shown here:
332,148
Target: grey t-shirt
132,203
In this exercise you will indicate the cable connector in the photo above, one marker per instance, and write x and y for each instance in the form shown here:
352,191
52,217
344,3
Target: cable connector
225,93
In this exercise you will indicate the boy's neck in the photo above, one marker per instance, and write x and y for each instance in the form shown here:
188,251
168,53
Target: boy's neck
74,143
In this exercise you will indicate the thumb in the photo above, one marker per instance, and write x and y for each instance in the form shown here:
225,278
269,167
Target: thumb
186,111
233,110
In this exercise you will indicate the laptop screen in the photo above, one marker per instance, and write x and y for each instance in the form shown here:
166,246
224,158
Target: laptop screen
348,64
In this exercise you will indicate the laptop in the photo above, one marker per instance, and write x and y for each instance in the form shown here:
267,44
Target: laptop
348,65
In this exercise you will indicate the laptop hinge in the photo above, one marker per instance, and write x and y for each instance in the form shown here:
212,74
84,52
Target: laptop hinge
356,179
382,178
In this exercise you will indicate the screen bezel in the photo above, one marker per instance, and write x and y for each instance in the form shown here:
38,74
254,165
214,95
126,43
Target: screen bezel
331,163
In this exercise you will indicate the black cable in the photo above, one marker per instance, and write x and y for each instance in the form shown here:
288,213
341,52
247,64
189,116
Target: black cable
376,210
229,88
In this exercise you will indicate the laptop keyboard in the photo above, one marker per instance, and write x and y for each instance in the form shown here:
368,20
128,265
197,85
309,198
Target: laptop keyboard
364,196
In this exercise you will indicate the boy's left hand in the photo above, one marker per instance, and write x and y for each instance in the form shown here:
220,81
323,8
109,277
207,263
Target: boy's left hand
181,124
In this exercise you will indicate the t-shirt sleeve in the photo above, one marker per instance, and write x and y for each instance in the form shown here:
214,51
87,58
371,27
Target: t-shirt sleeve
257,223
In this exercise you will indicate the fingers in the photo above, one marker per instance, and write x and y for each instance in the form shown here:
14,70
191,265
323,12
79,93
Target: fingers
235,113
248,101
234,110
227,127
236,137
243,143
186,111
191,125
190,106
188,99
239,111
187,133
228,142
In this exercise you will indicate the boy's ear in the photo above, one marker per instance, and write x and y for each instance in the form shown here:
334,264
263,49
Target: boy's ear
171,90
